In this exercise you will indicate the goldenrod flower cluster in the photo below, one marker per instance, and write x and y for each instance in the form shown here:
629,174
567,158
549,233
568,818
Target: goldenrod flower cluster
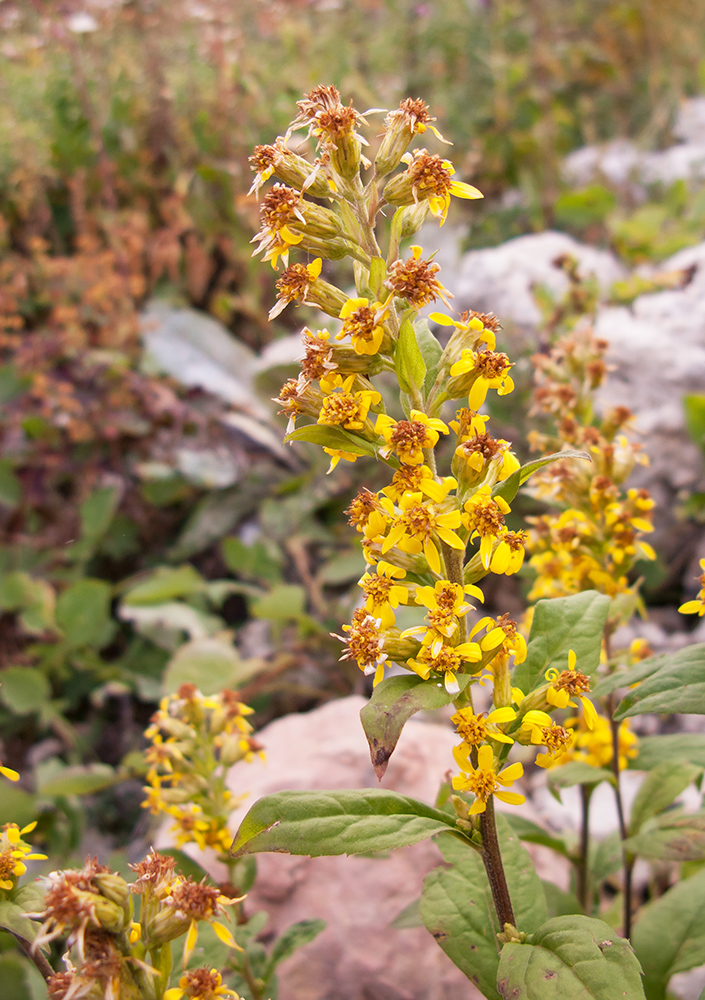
112,955
194,740
14,852
596,539
428,536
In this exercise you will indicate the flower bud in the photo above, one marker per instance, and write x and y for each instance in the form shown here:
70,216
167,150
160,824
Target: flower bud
116,889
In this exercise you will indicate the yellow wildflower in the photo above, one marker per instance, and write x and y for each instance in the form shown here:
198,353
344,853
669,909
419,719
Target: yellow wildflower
568,683
417,525
382,593
477,729
364,324
444,659
200,984
484,517
14,852
408,438
484,370
483,781
697,606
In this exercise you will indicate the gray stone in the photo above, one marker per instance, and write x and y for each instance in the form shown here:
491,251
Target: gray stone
500,279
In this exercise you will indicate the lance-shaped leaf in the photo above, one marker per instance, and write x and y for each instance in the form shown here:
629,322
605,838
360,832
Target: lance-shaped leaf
456,905
660,787
571,958
291,940
671,837
409,362
577,772
669,935
332,437
392,704
677,684
675,746
559,625
509,487
431,352
353,821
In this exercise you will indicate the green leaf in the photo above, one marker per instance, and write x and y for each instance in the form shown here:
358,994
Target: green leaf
675,684
17,805
571,958
408,360
457,909
254,562
97,512
166,583
558,902
83,611
332,437
678,746
669,935
34,598
337,822
13,919
378,272
291,940
78,780
10,486
20,978
605,857
577,772
561,624
660,787
410,916
185,864
282,603
527,830
671,837
24,689
392,704
509,487
694,406
431,351
211,663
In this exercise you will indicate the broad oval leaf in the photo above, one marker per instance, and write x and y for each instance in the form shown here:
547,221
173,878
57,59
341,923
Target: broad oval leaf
676,684
457,909
571,958
669,935
559,625
392,704
355,821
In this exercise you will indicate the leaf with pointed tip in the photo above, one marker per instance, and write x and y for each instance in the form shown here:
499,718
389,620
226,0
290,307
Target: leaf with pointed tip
675,684
354,821
331,437
571,957
577,772
509,487
559,625
671,837
392,704
408,360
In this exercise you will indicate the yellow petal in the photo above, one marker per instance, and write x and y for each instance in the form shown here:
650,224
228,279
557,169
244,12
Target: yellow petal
462,190
190,942
511,773
512,798
225,935
500,715
589,712
572,659
478,806
485,758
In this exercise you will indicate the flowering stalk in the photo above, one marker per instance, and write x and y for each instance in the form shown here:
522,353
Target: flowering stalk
439,526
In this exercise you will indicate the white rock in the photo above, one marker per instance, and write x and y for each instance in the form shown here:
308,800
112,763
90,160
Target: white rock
199,351
690,121
500,279
617,162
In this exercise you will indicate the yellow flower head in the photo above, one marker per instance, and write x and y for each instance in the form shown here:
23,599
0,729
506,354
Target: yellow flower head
364,324
416,526
383,594
483,781
343,407
14,852
419,479
484,370
568,683
442,658
409,438
484,518
477,729
697,606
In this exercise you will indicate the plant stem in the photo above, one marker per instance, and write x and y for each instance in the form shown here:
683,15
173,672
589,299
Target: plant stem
492,860
627,859
34,955
581,865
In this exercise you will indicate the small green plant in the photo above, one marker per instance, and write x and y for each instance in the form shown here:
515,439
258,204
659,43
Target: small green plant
429,538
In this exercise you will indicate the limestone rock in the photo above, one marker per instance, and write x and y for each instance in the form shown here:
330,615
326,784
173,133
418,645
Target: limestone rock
500,279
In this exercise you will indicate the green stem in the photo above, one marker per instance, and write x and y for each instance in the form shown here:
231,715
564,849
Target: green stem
627,858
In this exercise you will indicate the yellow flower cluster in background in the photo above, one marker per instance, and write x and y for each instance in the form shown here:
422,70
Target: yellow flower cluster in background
194,740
